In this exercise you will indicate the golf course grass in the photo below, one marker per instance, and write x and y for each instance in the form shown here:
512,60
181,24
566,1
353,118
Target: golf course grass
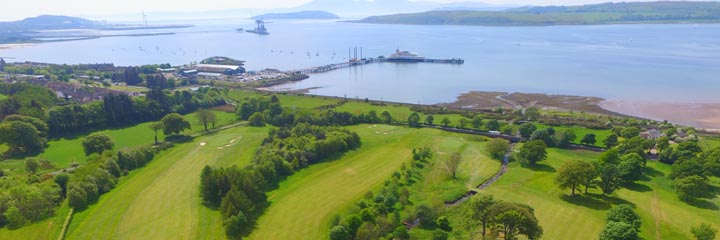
3,97
583,216
313,196
62,152
161,200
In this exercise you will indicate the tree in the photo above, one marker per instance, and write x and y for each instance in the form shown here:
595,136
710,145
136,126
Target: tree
611,141
624,213
493,125
573,173
97,143
386,117
206,117
517,219
630,132
547,135
497,147
339,233
588,139
704,231
565,137
439,234
156,126
510,221
463,122
62,181
414,120
367,231
609,178
532,113
21,137
443,223
527,129
452,163
618,231
256,120
630,167
690,188
480,211
32,165
446,122
532,152
174,124
235,225
611,156
477,121
429,120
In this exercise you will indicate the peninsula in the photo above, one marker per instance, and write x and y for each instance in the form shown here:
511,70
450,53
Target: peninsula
605,13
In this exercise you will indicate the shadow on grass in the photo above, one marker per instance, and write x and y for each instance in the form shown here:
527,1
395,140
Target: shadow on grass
704,204
651,172
594,201
638,187
539,167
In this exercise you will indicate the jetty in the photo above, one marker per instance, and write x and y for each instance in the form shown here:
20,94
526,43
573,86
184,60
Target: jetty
365,61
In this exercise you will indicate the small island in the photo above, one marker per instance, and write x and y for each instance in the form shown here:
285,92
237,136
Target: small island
298,15
675,12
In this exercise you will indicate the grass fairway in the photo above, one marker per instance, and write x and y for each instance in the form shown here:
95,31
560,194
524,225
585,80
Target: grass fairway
3,97
161,200
288,100
305,203
46,229
583,217
64,151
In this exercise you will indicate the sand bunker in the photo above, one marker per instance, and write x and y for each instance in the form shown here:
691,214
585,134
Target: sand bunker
203,143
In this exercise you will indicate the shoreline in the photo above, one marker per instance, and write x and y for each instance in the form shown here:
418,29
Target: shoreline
705,116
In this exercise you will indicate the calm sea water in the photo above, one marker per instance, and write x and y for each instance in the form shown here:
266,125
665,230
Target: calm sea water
630,62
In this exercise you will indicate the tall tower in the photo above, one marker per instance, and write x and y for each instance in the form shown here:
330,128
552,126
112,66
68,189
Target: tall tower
2,65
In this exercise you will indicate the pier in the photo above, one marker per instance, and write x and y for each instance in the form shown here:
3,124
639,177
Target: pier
358,62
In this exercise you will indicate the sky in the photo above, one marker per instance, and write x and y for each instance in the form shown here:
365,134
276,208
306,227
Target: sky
19,9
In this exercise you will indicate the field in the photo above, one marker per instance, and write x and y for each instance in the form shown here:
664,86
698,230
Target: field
64,151
314,195
161,200
288,100
3,97
663,215
600,135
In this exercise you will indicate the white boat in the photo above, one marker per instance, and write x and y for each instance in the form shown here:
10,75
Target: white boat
405,56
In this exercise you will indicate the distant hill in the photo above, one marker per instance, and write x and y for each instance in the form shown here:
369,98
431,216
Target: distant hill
606,13
364,8
48,22
298,15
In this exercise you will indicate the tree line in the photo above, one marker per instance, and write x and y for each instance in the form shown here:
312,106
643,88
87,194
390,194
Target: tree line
240,193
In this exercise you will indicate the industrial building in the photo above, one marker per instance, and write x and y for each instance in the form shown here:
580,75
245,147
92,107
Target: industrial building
222,69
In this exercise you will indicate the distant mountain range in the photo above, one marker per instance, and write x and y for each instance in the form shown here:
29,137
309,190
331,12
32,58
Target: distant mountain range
355,8
606,13
49,22
298,15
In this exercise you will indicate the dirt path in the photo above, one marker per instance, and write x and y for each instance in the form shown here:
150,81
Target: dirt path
515,105
503,169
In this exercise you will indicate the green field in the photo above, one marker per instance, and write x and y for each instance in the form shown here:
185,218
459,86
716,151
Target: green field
315,195
64,151
161,200
288,100
663,215
3,97
600,135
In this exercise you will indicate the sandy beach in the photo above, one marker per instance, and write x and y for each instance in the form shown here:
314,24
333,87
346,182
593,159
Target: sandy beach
700,115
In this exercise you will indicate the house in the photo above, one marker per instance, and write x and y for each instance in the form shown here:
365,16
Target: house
652,134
